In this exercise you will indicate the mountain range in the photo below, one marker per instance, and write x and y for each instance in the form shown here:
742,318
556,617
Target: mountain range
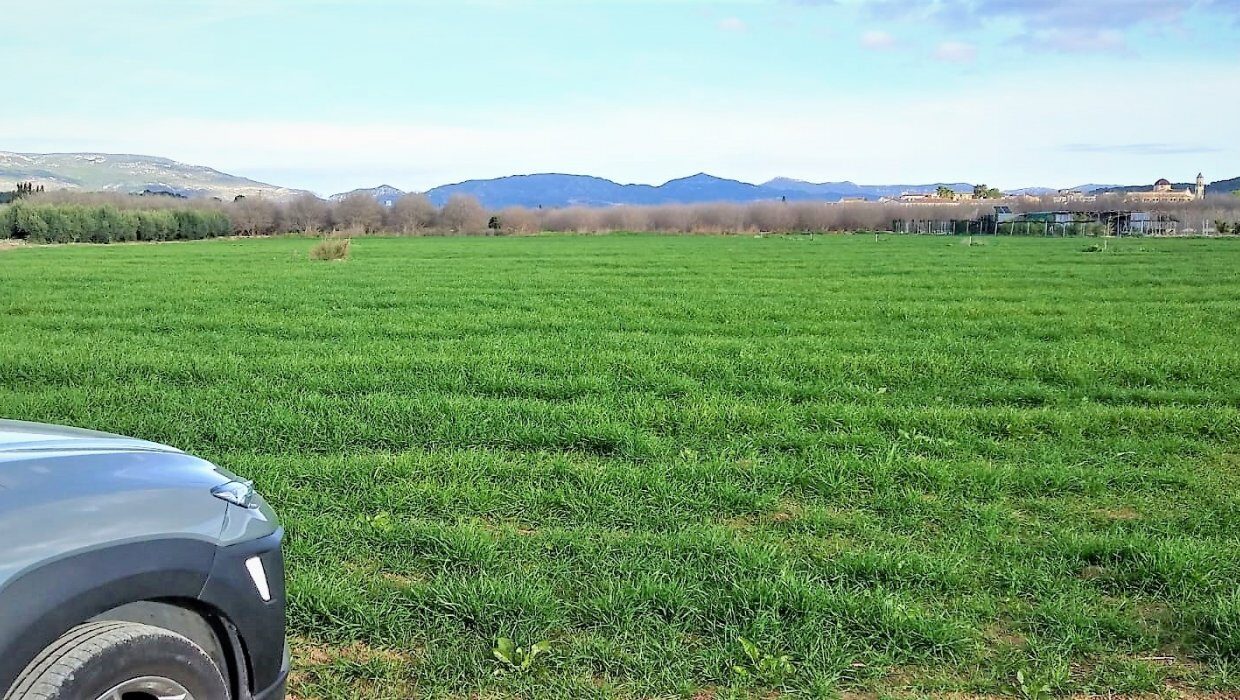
107,172
135,173
559,190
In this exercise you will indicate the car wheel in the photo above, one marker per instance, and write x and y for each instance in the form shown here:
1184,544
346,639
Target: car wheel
121,661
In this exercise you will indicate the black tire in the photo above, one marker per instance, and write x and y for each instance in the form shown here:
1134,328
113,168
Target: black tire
94,658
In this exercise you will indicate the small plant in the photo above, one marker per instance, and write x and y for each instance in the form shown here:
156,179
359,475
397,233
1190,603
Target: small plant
1030,689
331,249
763,667
515,659
381,521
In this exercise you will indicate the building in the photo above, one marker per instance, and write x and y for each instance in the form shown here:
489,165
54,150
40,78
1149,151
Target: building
920,198
1164,191
1074,197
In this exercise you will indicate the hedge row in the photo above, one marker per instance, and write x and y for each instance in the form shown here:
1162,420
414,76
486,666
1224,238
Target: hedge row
72,223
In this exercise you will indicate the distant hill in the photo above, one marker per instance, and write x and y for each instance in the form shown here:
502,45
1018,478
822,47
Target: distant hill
832,191
384,194
1091,187
558,190
108,172
1224,186
1033,191
552,190
546,189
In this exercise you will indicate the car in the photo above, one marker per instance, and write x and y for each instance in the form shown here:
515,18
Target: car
131,570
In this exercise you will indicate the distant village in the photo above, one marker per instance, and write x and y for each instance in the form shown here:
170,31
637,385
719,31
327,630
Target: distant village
1080,213
1162,192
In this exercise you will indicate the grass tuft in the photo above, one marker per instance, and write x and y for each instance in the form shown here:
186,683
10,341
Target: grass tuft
331,249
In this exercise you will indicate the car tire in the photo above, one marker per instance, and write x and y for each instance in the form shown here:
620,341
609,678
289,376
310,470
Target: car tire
120,659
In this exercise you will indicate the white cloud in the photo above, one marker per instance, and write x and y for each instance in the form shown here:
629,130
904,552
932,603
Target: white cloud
732,24
955,52
878,40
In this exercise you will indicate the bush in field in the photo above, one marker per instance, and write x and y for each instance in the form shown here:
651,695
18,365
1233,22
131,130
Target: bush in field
330,249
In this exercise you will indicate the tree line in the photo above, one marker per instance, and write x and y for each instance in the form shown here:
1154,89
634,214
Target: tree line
82,223
103,217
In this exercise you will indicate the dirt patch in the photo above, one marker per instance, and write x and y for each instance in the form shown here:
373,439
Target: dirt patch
1091,573
403,580
502,528
307,654
739,523
1121,514
788,511
1001,636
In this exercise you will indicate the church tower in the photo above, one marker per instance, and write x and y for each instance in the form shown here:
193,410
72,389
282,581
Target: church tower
1201,187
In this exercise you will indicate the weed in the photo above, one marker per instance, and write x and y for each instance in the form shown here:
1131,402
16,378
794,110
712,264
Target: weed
1030,689
762,667
515,659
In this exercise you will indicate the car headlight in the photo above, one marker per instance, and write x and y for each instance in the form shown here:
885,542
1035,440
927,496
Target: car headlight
238,493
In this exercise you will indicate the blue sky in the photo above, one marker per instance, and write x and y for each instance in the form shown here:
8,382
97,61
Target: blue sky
334,94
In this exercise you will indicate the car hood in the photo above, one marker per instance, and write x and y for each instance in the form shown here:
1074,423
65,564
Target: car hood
20,436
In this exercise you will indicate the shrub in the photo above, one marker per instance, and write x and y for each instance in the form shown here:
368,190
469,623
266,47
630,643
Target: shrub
330,249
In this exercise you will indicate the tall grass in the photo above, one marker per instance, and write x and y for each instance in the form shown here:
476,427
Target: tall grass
912,466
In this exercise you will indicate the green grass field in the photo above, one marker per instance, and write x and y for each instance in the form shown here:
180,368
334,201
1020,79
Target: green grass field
911,466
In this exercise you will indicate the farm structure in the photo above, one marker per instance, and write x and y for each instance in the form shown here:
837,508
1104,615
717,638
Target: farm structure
1046,223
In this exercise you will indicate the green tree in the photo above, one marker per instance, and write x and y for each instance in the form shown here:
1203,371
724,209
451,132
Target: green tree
945,192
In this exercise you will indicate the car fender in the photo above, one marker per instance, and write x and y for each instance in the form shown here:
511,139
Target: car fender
41,604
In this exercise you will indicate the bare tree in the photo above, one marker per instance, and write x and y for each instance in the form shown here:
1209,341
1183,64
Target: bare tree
770,216
307,213
412,213
359,211
463,214
520,220
252,216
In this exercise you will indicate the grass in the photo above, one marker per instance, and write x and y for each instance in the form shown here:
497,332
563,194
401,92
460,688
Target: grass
911,466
